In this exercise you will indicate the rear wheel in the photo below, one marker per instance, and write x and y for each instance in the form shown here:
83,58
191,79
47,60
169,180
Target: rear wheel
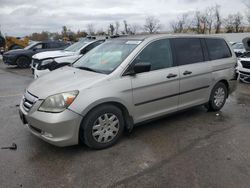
102,127
23,62
218,97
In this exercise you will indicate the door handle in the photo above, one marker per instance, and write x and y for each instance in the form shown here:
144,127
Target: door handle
171,75
187,72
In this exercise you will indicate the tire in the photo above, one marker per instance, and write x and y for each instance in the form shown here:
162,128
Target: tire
220,92
23,62
96,130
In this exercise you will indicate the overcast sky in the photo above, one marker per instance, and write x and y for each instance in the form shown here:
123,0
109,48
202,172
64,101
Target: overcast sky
23,17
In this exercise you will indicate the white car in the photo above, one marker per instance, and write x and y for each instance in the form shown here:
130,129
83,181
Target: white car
239,48
243,68
45,62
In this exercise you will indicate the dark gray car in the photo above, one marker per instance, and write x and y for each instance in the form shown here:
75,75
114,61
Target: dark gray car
22,57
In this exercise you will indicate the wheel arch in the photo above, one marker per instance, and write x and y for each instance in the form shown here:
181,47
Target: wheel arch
23,55
128,118
224,81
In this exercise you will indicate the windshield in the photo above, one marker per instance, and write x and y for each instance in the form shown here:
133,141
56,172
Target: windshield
106,57
238,46
77,46
31,45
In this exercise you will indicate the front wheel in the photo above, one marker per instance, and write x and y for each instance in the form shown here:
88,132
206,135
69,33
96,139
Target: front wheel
102,127
218,97
23,62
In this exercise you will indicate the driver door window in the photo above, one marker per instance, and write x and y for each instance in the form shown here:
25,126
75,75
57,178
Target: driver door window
38,46
158,54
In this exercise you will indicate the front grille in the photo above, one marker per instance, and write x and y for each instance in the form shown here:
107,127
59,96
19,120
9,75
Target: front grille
245,64
28,101
246,73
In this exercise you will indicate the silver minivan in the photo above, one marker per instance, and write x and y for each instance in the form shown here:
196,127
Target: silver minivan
127,81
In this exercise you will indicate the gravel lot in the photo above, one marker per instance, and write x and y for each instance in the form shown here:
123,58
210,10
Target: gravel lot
194,148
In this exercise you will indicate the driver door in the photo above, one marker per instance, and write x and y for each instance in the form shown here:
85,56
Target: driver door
156,92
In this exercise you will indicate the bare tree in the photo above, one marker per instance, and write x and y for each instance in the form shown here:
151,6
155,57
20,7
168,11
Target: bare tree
233,22
126,28
198,22
181,24
64,31
100,32
229,23
90,29
117,26
134,28
247,3
218,19
210,15
152,24
111,29
238,18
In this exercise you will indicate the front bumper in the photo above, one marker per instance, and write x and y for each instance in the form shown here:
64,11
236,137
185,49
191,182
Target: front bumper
244,73
59,129
9,60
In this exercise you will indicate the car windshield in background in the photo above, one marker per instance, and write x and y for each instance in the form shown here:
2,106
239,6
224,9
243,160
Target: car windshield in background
238,46
31,45
106,57
77,46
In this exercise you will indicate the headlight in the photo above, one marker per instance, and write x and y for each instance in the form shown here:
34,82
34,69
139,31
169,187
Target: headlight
47,61
59,102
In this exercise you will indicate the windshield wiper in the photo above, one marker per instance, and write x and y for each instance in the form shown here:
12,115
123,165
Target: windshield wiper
88,69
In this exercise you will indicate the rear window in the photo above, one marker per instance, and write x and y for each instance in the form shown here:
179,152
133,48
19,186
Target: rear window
217,49
188,50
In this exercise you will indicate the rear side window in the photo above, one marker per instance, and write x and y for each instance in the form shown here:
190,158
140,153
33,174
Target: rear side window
55,45
217,49
188,50
158,54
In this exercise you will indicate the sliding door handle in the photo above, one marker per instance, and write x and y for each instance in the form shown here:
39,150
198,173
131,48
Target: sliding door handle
187,72
171,75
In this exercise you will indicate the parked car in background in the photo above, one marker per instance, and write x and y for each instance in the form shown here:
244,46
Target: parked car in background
239,48
45,62
127,81
243,67
243,64
22,57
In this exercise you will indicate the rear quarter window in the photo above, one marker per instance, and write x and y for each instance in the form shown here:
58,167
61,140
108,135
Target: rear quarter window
218,49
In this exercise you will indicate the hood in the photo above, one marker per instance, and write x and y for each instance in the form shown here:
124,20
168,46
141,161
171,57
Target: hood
245,59
53,54
62,80
239,50
14,52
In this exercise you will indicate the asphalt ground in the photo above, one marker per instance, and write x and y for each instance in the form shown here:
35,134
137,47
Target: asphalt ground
194,148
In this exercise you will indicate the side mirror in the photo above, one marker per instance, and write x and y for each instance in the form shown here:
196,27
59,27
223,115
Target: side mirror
141,67
34,49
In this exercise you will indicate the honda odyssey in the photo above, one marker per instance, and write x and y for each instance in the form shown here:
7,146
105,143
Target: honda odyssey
126,81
